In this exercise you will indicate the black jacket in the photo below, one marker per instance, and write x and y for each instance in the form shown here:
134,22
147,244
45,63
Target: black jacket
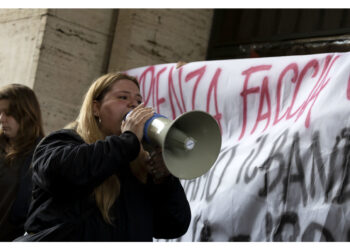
13,222
20,206
65,172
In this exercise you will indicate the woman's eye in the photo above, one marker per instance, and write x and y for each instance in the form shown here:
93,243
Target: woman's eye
6,112
123,97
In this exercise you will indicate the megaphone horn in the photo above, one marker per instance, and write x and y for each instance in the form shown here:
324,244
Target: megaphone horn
190,144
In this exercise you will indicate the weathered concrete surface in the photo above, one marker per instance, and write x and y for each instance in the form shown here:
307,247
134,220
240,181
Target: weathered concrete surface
21,33
59,52
75,51
155,36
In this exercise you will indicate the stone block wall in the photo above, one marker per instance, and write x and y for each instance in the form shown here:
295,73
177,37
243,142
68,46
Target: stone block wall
74,52
155,36
21,33
59,52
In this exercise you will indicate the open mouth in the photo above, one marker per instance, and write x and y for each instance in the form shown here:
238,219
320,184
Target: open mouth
126,114
4,128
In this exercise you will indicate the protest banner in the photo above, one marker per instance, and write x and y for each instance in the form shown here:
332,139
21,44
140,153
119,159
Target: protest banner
283,169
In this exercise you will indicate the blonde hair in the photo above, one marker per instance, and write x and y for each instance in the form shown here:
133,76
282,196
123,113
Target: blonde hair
87,127
24,108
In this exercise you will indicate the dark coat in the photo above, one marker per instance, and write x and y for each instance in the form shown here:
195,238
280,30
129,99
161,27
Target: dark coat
65,172
21,202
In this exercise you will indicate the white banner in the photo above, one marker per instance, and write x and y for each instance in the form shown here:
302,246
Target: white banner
283,170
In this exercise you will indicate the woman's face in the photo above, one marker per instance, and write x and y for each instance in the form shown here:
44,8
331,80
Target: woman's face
122,97
8,123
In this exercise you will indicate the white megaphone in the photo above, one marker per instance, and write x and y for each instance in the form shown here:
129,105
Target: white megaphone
190,144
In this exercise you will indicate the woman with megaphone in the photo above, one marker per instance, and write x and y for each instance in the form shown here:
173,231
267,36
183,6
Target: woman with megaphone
95,182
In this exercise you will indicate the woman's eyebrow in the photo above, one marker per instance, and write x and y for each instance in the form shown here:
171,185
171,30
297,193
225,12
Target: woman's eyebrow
123,91
128,92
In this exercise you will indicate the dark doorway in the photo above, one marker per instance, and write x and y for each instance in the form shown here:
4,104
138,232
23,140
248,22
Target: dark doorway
244,33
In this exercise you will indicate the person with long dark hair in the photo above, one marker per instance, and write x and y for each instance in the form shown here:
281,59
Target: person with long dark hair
20,131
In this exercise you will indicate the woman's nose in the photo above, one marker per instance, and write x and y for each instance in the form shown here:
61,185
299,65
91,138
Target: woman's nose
133,103
2,116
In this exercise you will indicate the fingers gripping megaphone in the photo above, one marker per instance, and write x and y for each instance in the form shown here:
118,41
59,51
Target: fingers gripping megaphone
190,144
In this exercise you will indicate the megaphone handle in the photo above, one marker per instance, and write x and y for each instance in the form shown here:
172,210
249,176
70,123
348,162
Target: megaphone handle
148,147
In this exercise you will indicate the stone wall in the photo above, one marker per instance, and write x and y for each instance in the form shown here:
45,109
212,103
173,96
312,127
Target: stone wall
156,36
59,52
21,33
75,50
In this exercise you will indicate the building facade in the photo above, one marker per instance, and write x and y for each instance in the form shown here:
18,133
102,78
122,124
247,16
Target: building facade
59,52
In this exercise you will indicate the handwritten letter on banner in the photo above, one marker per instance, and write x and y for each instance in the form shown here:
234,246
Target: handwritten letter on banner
284,167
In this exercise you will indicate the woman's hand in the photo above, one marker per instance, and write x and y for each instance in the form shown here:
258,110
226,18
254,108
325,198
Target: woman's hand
156,166
135,122
152,164
139,165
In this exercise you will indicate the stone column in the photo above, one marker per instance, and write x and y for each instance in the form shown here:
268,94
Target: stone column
75,51
56,52
21,34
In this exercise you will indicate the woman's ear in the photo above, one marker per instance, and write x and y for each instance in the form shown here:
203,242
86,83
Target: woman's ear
96,108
